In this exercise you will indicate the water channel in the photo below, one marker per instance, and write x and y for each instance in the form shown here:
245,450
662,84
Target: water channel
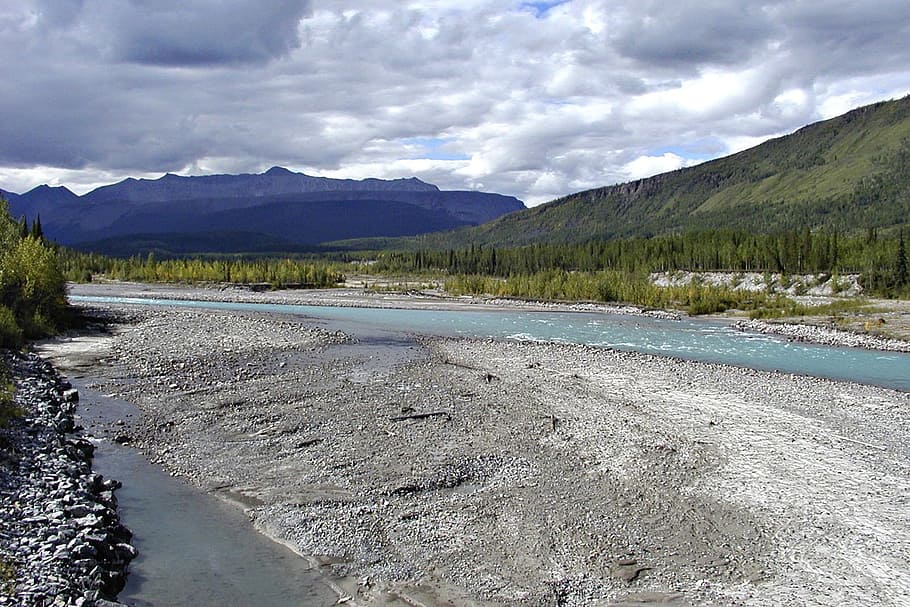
689,338
195,550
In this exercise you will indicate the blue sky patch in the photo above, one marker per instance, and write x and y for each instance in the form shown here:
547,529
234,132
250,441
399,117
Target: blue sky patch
433,148
700,150
542,8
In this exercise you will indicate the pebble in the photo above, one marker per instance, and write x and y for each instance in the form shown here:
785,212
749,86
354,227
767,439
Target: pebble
62,535
824,335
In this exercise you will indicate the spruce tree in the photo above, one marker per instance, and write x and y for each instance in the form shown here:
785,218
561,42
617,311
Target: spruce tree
37,233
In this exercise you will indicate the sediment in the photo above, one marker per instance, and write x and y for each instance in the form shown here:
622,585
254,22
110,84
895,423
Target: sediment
480,472
61,541
829,336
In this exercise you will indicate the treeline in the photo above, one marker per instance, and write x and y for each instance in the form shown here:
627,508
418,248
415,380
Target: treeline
277,273
32,285
793,252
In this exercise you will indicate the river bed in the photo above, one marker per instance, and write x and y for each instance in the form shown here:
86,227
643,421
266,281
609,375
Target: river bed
688,338
488,472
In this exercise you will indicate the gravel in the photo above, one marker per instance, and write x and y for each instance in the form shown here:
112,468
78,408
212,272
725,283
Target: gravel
824,335
461,471
59,529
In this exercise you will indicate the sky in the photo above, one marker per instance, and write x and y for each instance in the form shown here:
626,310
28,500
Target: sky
531,99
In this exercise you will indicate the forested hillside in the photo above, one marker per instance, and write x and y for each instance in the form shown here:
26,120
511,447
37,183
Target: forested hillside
849,173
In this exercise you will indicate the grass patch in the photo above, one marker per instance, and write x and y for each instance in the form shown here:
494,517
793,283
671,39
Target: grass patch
7,578
788,308
8,408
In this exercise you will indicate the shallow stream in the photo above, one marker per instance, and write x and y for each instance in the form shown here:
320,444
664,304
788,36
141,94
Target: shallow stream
195,550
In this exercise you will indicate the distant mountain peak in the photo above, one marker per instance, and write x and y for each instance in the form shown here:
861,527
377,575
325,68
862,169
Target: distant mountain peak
52,194
276,171
60,189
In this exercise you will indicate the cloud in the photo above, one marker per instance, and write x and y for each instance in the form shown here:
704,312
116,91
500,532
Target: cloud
532,99
178,33
686,35
645,166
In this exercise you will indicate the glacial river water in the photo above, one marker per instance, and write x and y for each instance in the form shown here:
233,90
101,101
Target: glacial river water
691,339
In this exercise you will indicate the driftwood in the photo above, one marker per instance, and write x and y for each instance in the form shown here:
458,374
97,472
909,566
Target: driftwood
859,442
401,418
487,376
460,365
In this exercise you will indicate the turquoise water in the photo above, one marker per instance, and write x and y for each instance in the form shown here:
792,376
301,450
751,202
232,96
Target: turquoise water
691,339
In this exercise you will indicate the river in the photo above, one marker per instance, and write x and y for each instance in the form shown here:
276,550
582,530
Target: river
200,551
688,338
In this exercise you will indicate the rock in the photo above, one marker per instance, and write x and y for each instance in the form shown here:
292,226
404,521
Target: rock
58,522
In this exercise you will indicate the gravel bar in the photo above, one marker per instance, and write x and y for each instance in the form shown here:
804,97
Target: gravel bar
481,472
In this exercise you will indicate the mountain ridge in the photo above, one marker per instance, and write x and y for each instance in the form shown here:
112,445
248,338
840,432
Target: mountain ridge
313,209
849,172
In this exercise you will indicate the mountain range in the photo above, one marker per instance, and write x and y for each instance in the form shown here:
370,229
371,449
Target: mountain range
278,210
847,173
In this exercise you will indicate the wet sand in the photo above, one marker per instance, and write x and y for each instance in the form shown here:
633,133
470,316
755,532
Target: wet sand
472,472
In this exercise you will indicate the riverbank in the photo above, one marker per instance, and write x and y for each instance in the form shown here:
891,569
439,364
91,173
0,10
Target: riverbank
886,326
473,472
825,335
62,541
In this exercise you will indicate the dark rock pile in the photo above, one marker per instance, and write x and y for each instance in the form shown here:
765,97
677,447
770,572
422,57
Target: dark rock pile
61,541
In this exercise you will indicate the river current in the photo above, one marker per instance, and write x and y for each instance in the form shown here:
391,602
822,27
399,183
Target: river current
688,338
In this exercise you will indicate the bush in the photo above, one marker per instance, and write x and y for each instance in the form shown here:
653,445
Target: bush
8,409
10,331
32,286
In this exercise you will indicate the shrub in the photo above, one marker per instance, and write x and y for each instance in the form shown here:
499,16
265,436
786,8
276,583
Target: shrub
8,408
10,331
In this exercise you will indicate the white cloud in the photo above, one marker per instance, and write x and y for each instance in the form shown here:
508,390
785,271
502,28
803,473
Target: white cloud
646,166
539,103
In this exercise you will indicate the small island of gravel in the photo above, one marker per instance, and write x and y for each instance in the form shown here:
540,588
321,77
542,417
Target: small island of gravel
477,472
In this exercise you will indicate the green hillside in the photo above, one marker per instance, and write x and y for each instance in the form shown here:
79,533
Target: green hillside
848,173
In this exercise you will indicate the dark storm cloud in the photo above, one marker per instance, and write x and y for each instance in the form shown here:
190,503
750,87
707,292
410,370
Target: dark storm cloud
209,32
844,38
179,32
692,33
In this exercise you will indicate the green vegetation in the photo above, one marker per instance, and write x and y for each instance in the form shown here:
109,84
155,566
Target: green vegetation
880,260
850,171
32,287
7,578
277,273
609,271
611,286
8,409
789,309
